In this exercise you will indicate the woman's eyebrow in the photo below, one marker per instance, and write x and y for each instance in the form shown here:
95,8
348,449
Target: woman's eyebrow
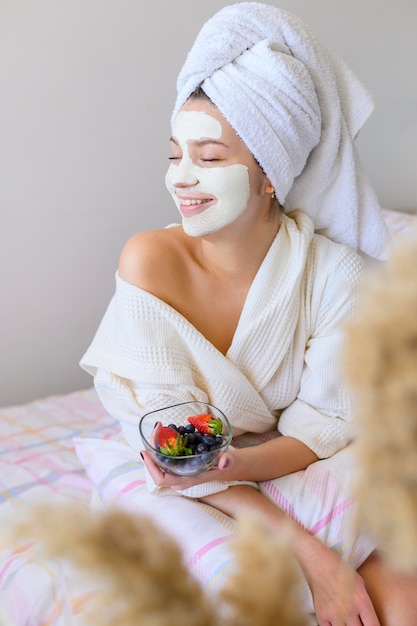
204,142
200,142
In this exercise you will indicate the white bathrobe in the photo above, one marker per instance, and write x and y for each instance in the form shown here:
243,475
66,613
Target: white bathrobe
282,369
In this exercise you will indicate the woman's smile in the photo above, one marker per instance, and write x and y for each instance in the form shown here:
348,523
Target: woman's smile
191,205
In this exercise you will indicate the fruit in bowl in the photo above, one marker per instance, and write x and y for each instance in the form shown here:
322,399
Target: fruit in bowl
187,438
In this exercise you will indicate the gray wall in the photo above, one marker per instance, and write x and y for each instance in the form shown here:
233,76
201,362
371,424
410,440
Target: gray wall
87,88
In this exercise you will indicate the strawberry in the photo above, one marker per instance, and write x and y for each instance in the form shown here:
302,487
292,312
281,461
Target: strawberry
171,443
207,424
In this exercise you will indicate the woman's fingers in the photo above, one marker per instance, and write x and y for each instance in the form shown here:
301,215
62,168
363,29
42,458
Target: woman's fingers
225,461
165,479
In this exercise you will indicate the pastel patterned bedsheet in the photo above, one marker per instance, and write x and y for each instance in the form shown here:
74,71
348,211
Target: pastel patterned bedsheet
62,449
400,222
38,464
69,451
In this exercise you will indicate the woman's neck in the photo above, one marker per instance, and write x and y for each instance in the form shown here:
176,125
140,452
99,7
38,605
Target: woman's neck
236,254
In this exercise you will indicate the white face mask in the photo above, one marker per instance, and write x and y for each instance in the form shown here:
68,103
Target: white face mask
229,184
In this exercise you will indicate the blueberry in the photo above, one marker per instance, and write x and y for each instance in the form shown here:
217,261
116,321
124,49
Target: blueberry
206,457
201,448
219,440
192,439
197,462
170,461
193,466
209,440
190,428
174,426
181,430
166,461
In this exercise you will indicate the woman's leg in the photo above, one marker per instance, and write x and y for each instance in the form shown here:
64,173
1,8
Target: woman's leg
394,594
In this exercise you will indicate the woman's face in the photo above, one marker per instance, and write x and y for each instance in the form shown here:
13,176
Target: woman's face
213,177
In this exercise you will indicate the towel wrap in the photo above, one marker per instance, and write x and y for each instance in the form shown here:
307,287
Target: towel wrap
298,108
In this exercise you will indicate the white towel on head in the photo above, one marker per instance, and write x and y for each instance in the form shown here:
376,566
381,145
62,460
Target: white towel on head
298,108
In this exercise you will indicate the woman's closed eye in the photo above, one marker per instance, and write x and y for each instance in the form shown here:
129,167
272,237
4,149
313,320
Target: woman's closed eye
208,155
177,159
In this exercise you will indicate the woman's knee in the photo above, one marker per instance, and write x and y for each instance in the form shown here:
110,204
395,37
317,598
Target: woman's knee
393,593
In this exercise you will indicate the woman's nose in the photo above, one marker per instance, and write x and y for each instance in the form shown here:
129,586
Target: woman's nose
184,173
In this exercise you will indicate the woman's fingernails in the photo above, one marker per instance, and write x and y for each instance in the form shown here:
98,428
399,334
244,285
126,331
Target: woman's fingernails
143,458
226,464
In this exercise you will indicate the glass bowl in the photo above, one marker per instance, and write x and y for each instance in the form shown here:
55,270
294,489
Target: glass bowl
186,452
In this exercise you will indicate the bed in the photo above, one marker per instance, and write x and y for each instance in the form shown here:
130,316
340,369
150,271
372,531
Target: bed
49,451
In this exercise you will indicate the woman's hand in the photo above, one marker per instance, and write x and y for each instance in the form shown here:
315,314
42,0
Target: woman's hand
165,479
223,473
339,594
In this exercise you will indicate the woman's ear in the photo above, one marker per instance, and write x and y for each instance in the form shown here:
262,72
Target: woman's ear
269,187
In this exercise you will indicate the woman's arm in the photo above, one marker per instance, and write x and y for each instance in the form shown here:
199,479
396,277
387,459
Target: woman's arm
275,458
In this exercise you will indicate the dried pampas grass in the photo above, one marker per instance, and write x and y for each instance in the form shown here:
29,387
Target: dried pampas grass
265,588
138,569
141,577
381,366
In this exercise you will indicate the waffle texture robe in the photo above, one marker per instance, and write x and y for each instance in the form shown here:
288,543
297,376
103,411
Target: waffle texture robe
282,369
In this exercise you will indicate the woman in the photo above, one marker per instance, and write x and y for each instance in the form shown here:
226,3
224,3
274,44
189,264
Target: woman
243,304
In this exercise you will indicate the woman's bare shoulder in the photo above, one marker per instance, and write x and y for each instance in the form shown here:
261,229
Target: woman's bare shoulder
151,258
